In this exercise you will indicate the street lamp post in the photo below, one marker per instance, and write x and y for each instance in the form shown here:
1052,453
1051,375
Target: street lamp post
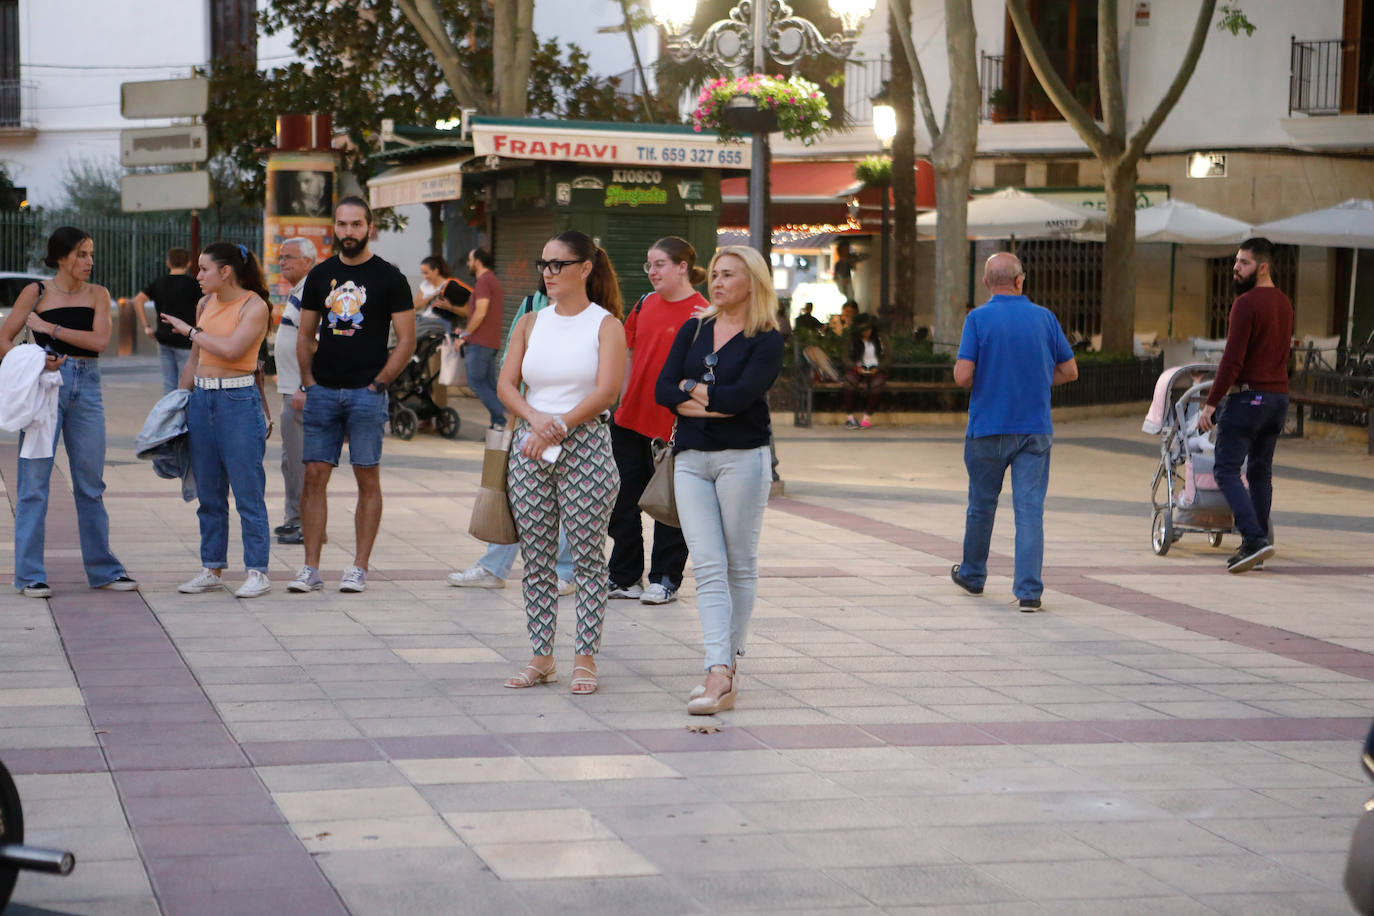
885,127
753,31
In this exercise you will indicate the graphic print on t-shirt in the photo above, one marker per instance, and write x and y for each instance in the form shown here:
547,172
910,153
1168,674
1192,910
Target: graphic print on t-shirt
345,307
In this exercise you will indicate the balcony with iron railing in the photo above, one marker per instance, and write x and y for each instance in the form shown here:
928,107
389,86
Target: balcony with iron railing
1330,77
17,110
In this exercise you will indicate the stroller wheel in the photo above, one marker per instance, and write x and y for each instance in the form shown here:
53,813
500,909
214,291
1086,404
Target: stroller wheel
448,422
1162,532
404,423
1214,539
11,831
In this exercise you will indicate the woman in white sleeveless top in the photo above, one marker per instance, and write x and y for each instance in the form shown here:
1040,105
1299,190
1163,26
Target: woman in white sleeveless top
570,358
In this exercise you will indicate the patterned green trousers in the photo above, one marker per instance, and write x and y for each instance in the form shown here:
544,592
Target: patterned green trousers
577,490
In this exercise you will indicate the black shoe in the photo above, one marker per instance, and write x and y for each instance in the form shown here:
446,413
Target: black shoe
1249,555
963,583
285,529
293,536
1030,605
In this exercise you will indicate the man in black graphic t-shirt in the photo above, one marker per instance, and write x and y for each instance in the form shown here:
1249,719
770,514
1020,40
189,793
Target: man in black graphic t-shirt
176,294
353,299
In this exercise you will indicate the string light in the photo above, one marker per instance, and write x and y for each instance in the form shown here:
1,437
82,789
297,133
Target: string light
792,232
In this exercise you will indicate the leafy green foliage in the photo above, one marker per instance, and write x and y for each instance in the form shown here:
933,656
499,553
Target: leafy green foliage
1233,20
361,61
874,171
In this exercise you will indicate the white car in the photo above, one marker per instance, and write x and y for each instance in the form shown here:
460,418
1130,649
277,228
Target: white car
12,283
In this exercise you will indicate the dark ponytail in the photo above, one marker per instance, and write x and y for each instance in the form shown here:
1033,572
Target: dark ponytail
241,260
680,251
603,286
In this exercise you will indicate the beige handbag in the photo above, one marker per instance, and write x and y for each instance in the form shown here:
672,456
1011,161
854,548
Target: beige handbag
492,520
659,501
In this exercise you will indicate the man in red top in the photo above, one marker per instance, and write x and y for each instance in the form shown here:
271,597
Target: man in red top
1256,363
649,331
483,334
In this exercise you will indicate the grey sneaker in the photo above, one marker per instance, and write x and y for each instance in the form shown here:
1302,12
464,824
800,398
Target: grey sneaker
307,580
565,588
255,585
37,590
476,577
354,580
658,593
205,582
625,591
122,584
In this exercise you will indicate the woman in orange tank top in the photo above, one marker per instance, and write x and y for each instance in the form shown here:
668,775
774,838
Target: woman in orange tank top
225,414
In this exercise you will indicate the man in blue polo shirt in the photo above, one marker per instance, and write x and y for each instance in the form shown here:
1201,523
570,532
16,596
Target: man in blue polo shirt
1011,353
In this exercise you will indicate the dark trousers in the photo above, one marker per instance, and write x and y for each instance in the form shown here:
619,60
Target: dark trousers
635,460
1247,431
869,386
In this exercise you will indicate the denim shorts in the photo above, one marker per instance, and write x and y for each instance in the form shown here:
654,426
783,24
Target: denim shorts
331,414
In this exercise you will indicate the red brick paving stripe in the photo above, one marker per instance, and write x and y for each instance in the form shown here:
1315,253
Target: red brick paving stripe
124,662
232,780
1263,637
859,524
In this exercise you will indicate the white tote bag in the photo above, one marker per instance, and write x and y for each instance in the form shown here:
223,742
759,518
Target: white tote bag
452,367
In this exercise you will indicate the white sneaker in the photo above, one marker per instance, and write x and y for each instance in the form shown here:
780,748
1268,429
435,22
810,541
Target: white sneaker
205,582
256,584
626,591
354,579
37,590
657,593
476,577
307,580
565,588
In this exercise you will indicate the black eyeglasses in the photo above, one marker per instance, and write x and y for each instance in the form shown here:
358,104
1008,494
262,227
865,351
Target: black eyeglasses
710,377
554,268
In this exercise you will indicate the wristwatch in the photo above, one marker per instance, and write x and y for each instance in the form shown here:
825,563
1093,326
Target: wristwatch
377,386
689,384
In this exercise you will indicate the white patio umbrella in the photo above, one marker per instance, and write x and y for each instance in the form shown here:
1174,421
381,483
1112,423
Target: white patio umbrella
1179,223
1187,224
1013,214
1346,225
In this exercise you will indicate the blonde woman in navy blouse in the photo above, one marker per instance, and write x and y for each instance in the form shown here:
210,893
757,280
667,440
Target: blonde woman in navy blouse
716,379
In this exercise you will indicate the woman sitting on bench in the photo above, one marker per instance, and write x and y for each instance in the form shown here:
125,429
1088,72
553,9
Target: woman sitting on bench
866,357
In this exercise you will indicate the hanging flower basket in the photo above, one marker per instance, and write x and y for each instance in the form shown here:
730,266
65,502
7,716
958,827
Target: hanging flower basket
792,105
874,171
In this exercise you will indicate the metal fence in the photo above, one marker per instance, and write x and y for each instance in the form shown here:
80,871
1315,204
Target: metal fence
129,249
1324,79
862,80
989,79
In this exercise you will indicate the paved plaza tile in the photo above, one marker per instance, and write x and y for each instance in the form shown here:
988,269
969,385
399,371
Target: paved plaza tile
1162,739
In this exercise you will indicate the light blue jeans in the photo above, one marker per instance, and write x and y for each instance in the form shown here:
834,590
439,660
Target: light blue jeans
172,360
987,459
228,439
81,427
720,502
482,365
499,559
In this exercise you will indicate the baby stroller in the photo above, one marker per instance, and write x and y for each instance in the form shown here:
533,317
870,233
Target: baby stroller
1190,502
410,395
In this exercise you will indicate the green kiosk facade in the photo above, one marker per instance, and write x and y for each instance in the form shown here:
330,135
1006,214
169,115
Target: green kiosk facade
625,185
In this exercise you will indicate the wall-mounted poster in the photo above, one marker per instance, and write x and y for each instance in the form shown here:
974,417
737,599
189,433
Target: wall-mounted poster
300,204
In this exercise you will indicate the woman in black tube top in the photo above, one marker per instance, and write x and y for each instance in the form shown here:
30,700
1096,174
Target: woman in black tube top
71,317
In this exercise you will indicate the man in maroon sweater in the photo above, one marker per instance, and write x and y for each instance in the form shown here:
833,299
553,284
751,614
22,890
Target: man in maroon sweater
1253,379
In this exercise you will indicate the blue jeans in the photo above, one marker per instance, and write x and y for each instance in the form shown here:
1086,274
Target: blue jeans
987,459
81,427
499,559
228,439
482,368
172,360
1248,428
330,413
720,501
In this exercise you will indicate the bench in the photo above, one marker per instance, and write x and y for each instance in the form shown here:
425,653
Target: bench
1301,396
937,378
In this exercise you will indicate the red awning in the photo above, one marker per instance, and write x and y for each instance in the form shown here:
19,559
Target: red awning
814,193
